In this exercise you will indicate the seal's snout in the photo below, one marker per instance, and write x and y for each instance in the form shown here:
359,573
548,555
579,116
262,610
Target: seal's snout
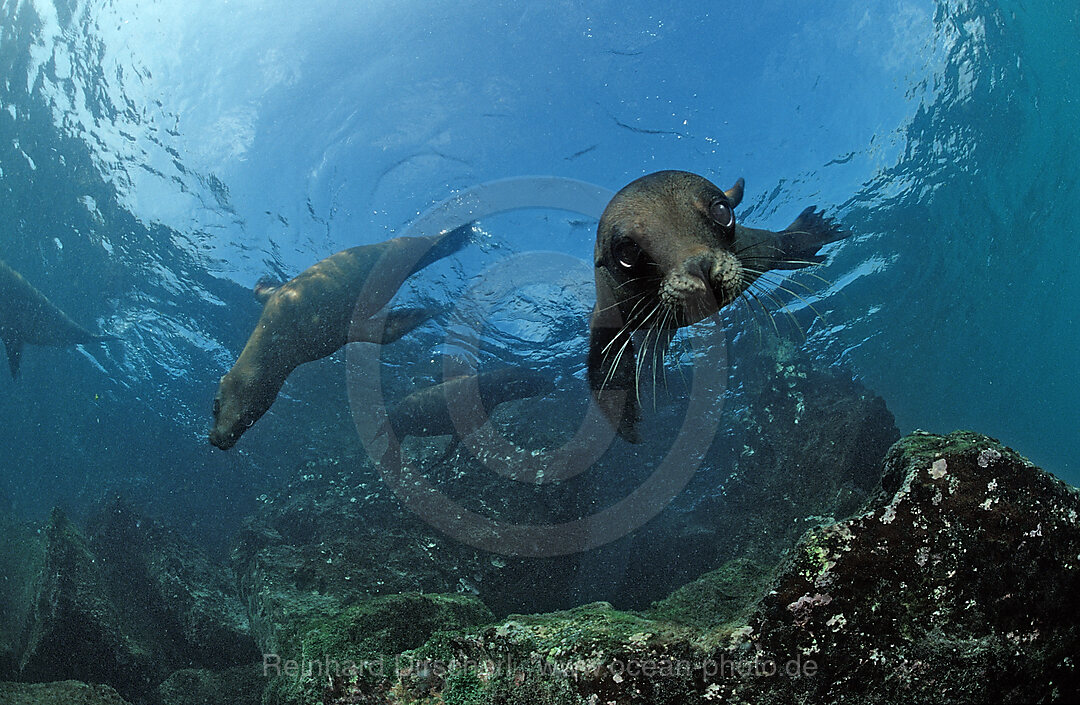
223,437
726,276
223,441
683,286
705,282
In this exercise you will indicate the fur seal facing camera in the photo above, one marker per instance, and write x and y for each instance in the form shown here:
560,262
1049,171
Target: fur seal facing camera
316,313
27,316
669,254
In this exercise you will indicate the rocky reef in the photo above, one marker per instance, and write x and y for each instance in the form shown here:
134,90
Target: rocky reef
954,584
812,558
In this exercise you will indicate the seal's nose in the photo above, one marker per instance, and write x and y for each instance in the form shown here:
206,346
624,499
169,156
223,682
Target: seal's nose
224,441
697,266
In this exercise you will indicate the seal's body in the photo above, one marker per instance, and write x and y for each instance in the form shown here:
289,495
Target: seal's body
461,405
669,254
27,316
331,303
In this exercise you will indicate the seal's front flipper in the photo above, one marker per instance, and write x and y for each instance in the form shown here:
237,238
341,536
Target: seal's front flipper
798,244
383,330
14,348
611,378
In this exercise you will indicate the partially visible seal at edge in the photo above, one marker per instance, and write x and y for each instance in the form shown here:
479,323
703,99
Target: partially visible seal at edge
27,316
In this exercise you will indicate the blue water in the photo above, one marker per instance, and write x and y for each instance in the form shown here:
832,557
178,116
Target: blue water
157,159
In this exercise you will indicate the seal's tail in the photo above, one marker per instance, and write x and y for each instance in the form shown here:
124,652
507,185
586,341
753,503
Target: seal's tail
798,243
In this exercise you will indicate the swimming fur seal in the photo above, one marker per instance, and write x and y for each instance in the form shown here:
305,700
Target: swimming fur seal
317,312
669,254
26,316
450,407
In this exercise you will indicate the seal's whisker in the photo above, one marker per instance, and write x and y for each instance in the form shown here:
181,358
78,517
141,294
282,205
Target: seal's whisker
663,367
644,277
745,296
644,351
781,307
619,303
629,326
823,280
809,290
640,362
783,288
744,248
768,315
805,262
627,342
652,354
663,340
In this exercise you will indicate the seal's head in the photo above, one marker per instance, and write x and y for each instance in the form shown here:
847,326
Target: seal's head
667,244
239,403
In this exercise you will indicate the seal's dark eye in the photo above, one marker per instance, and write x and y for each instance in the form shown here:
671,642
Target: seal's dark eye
627,253
721,212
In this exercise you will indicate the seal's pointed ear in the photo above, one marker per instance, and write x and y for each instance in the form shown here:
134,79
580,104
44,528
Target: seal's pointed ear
611,374
734,193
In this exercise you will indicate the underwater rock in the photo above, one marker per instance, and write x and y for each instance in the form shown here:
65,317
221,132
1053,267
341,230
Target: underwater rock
333,539
192,599
58,693
239,685
20,551
361,643
127,606
75,630
954,584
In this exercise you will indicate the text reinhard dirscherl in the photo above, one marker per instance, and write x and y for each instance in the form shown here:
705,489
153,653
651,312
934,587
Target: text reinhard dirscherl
710,669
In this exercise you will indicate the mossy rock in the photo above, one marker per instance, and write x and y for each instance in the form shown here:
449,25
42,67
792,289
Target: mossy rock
363,641
717,599
954,586
240,685
58,693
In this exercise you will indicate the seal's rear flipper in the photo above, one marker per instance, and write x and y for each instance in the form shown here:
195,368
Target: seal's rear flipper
447,244
611,379
798,244
14,348
383,330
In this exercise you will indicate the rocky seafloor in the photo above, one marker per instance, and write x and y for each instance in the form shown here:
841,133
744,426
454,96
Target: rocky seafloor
814,558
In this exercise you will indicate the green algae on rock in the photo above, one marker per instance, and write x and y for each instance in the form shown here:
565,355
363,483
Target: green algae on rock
58,693
361,644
